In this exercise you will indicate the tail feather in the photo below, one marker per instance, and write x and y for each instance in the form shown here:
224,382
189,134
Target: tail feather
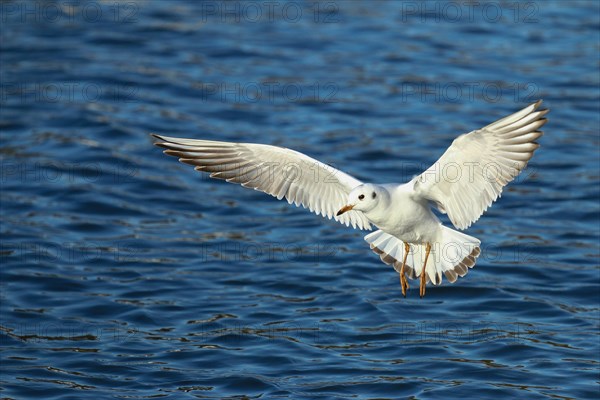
459,253
453,254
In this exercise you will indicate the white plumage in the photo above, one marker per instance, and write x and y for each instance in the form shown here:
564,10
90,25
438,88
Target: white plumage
485,161
277,171
463,183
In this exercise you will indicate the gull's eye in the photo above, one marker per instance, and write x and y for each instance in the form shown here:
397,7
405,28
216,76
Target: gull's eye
361,197
373,195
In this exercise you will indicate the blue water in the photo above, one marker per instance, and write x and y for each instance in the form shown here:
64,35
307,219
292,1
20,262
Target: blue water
125,274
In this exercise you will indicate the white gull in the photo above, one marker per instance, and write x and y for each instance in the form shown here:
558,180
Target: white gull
463,183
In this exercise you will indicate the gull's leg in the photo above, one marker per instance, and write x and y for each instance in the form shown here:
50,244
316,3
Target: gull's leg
423,276
403,281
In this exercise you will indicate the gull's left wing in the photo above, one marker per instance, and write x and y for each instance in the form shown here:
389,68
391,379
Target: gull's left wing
471,174
277,171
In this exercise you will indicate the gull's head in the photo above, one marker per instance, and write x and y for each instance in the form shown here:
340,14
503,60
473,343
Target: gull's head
362,198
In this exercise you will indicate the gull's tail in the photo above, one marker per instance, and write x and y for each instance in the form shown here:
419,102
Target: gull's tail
453,254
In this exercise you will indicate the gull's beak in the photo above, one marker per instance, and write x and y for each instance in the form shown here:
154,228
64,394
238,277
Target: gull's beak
344,209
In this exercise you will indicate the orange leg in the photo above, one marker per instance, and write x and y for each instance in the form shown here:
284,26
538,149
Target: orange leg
423,272
403,280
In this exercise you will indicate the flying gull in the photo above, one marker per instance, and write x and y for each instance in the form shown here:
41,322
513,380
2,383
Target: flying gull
463,183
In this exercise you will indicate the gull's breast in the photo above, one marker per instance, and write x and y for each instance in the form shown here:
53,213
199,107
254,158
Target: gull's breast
408,220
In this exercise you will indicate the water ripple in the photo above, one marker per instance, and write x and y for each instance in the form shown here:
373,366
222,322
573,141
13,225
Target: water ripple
126,275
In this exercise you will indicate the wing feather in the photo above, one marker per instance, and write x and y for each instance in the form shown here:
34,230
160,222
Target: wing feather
472,172
280,172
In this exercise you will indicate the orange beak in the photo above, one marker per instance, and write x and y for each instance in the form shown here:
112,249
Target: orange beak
344,209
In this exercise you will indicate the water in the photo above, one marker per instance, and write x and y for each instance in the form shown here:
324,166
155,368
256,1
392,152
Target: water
127,275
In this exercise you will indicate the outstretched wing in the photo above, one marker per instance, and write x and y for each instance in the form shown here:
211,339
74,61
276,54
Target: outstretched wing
277,171
470,175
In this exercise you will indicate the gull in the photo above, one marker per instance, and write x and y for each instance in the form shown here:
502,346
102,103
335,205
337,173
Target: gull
462,183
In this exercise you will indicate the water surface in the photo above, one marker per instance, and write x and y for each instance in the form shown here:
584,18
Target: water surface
127,275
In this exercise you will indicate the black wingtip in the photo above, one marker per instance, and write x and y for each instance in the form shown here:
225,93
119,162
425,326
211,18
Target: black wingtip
162,141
